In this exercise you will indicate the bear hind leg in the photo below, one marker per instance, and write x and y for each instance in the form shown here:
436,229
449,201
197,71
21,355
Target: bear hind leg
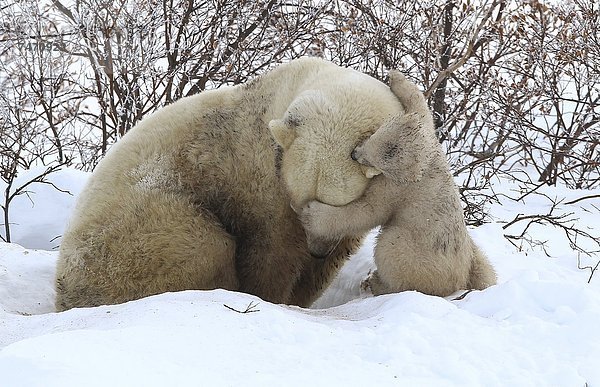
406,260
151,243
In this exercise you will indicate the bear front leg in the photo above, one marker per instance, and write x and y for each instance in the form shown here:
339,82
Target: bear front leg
323,221
319,220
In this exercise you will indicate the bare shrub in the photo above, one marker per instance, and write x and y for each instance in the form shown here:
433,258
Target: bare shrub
514,86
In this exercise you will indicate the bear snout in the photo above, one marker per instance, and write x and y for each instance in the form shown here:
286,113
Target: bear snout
358,155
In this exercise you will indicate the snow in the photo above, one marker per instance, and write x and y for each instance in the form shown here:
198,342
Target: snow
538,326
38,217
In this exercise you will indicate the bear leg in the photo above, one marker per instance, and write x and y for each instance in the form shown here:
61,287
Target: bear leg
406,260
149,243
482,273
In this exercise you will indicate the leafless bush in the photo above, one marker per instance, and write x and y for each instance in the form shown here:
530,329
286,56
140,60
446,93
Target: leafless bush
514,86
142,55
564,221
19,150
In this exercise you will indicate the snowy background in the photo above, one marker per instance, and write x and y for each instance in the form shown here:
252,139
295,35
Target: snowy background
538,327
519,122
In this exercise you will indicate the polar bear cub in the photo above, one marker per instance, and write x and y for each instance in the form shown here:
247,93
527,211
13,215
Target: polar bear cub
423,244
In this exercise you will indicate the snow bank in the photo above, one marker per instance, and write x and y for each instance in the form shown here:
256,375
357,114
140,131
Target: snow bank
538,326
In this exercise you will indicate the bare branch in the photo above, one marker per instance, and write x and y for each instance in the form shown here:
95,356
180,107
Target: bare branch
249,309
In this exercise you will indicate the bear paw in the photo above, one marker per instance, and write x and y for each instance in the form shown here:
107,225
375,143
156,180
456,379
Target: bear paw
318,218
374,284
365,286
398,80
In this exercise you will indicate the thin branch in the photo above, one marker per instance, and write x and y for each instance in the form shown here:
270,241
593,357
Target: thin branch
583,198
249,309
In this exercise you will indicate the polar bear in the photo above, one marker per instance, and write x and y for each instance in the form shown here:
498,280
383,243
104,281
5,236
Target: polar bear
423,244
199,195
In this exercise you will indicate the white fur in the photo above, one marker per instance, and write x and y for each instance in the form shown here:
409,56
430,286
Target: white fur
423,244
198,194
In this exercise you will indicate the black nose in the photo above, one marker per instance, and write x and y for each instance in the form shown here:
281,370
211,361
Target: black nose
354,155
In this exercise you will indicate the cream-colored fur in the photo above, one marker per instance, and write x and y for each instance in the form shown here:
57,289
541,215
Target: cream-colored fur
423,244
197,195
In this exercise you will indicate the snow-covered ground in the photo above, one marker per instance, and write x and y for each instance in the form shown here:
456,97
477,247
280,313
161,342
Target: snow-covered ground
538,327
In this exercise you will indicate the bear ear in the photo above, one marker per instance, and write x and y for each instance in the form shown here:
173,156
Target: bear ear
283,134
398,83
370,172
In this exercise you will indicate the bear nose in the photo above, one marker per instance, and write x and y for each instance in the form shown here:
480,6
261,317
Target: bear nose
353,155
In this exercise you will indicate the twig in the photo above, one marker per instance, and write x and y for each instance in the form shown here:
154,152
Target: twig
592,269
469,52
583,198
249,309
564,221
462,295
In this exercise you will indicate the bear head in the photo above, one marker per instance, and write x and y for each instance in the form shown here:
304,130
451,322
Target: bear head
318,133
401,149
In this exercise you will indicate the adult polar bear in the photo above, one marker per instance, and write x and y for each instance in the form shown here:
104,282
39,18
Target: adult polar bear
197,196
